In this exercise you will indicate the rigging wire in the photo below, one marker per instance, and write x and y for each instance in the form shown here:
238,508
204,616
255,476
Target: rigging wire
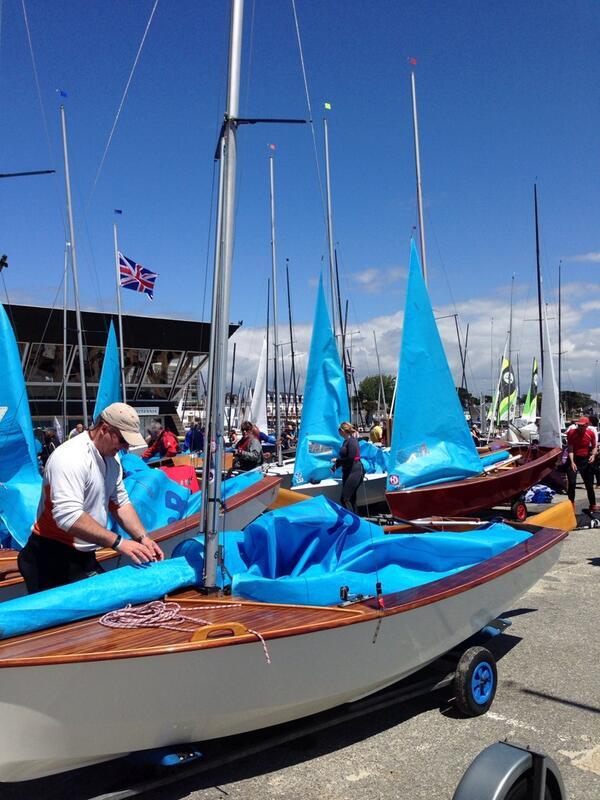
310,113
122,103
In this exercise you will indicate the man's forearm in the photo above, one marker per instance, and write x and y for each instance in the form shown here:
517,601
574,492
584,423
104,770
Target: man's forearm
128,519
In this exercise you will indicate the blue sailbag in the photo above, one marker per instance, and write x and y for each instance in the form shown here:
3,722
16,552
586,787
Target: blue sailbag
431,441
325,402
109,388
20,480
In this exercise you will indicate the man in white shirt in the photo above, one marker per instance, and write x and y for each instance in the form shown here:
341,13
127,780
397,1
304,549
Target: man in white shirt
83,481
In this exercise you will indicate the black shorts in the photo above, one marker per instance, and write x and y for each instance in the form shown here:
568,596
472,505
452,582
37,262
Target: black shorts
45,563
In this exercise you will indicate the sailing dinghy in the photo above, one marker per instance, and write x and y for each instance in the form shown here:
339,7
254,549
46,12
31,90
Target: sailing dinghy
434,465
280,647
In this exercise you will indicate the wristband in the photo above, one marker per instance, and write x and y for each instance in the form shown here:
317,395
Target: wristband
117,542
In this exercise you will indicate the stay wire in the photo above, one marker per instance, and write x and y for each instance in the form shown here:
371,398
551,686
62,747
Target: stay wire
310,112
122,103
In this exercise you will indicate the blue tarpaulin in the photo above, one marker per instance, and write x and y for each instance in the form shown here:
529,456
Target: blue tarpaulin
306,552
325,402
431,441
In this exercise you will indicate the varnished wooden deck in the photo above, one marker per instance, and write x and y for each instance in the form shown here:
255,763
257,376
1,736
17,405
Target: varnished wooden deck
90,641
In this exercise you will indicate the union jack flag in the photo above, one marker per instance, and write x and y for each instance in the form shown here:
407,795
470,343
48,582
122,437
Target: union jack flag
134,276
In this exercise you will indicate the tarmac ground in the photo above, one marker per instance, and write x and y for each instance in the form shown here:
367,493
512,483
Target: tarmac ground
548,698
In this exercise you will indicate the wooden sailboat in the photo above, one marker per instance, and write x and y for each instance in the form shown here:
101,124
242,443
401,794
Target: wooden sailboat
84,693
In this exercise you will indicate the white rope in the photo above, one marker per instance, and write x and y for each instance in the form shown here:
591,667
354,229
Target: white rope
122,103
158,614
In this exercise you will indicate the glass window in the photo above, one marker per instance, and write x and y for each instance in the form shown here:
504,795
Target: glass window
162,367
191,364
44,364
135,361
92,358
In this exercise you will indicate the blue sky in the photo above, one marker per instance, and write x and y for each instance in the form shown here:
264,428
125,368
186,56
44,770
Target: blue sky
507,94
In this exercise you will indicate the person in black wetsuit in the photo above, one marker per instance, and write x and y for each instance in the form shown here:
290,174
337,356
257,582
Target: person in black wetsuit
353,472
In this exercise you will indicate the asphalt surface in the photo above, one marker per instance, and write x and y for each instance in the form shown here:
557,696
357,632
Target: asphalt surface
548,698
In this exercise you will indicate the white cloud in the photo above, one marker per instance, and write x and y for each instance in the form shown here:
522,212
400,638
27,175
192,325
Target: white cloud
375,280
585,257
488,319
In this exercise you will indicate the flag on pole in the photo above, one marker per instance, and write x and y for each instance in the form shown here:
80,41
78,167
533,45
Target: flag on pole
328,106
271,146
62,92
118,210
135,277
412,61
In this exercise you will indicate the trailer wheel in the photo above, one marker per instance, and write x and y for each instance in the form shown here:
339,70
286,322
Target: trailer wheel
475,681
519,511
523,790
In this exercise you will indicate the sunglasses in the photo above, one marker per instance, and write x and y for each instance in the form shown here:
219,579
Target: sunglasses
123,442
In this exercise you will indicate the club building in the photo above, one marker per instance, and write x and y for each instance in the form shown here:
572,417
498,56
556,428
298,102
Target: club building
162,359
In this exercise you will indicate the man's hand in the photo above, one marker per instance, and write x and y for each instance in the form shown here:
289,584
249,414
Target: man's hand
141,552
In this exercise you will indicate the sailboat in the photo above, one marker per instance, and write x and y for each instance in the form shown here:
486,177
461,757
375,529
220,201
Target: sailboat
281,646
525,425
325,408
434,465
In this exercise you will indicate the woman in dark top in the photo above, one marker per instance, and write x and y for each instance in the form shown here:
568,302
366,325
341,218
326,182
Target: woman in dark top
352,468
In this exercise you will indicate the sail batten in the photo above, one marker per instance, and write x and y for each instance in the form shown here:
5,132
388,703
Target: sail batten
431,441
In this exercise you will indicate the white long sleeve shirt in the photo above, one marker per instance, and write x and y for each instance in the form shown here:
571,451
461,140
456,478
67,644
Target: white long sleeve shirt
78,479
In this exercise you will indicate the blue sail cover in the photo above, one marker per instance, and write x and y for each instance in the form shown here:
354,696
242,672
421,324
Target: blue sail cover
325,402
20,480
109,388
306,552
159,501
431,441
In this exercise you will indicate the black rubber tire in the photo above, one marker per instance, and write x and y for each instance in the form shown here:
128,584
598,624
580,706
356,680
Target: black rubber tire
519,511
470,661
523,790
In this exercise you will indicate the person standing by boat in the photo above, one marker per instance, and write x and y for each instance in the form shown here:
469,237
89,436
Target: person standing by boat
582,443
165,444
76,430
82,480
194,438
49,445
376,432
353,472
248,451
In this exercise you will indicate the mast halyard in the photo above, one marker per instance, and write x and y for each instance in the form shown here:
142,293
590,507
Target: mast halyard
559,338
214,443
275,313
74,266
418,171
64,353
539,278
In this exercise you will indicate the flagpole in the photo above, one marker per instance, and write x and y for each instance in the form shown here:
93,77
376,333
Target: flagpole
74,266
118,276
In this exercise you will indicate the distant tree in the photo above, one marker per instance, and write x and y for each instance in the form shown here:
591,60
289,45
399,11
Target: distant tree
368,391
574,402
466,398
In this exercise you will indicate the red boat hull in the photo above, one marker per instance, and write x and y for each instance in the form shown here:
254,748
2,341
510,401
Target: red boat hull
474,494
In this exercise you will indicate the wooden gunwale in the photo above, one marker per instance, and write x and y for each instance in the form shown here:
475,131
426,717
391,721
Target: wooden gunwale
124,643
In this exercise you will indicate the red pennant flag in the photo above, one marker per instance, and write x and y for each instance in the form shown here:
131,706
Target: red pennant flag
413,61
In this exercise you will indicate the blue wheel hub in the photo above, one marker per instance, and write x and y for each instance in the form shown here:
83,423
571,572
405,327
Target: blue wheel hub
482,683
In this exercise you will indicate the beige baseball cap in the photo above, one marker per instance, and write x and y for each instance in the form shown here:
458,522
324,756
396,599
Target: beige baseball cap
125,419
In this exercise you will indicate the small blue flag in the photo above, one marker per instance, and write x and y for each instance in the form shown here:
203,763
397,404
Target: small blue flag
62,93
118,210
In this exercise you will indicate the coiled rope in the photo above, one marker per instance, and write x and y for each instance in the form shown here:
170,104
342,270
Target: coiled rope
158,614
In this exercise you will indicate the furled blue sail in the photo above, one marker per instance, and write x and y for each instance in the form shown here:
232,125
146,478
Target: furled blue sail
325,402
20,480
109,388
431,441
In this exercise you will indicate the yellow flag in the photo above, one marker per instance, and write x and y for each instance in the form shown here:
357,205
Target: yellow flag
328,106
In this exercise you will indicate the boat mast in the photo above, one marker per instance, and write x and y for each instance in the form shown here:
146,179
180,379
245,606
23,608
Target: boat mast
214,445
381,386
275,314
74,265
559,337
65,300
332,281
418,171
118,276
294,383
539,277
510,364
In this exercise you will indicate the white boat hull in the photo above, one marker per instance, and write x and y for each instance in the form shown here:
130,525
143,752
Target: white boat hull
371,491
61,716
